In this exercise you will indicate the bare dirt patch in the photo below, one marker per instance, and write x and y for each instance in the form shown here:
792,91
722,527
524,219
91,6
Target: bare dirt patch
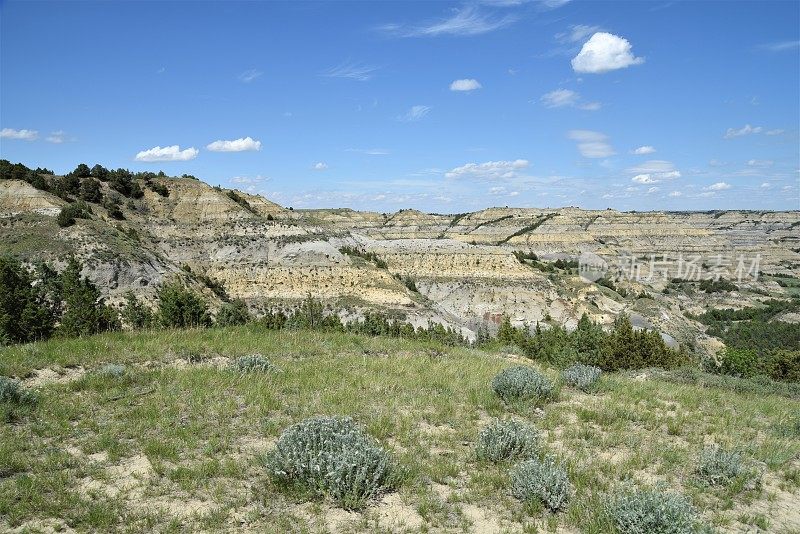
45,377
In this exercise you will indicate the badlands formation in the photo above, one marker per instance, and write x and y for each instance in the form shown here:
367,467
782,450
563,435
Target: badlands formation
463,266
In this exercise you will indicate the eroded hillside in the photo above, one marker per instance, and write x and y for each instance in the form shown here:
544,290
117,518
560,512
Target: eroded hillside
462,268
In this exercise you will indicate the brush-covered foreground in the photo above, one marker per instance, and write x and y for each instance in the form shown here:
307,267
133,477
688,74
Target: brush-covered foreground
177,439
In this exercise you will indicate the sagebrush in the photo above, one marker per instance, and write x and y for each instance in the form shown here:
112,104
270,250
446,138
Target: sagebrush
582,377
253,363
334,457
522,383
719,467
506,440
652,511
543,481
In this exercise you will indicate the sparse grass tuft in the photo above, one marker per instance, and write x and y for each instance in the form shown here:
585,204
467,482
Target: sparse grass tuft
543,481
507,440
12,393
522,383
333,456
112,370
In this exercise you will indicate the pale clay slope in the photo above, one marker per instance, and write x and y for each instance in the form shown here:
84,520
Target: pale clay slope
462,264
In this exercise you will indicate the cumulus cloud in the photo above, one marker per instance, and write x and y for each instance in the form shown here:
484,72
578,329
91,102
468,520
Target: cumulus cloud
414,114
248,180
766,185
744,130
605,52
25,135
592,144
242,144
351,70
644,150
320,166
249,75
167,153
465,21
467,84
644,179
490,170
719,186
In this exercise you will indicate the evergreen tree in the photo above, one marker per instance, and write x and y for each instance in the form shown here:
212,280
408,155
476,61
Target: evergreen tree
85,312
135,314
24,315
90,190
179,307
233,313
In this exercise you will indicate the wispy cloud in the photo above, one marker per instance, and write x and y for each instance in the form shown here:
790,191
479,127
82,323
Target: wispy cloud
643,150
369,151
567,98
492,170
465,21
57,137
350,70
592,144
414,114
167,153
744,130
237,145
577,33
249,75
780,46
25,135
719,186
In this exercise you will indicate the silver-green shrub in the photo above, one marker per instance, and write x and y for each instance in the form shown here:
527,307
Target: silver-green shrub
522,383
113,370
543,481
12,393
582,377
652,511
333,456
719,467
253,363
506,440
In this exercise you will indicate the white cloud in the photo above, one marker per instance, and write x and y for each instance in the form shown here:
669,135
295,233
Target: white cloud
464,22
577,33
242,144
560,98
414,114
766,185
56,137
653,166
350,70
760,162
604,52
490,170
777,131
592,144
780,46
644,150
320,166
676,194
369,151
719,186
644,179
744,130
168,153
249,75
468,84
25,135
249,180
653,190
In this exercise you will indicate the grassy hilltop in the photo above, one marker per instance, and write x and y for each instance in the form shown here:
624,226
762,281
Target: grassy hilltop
169,438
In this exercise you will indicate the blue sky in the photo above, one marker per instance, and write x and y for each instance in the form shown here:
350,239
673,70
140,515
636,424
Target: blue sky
439,106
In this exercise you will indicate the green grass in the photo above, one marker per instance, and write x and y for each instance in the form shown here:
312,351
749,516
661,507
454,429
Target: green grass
173,445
